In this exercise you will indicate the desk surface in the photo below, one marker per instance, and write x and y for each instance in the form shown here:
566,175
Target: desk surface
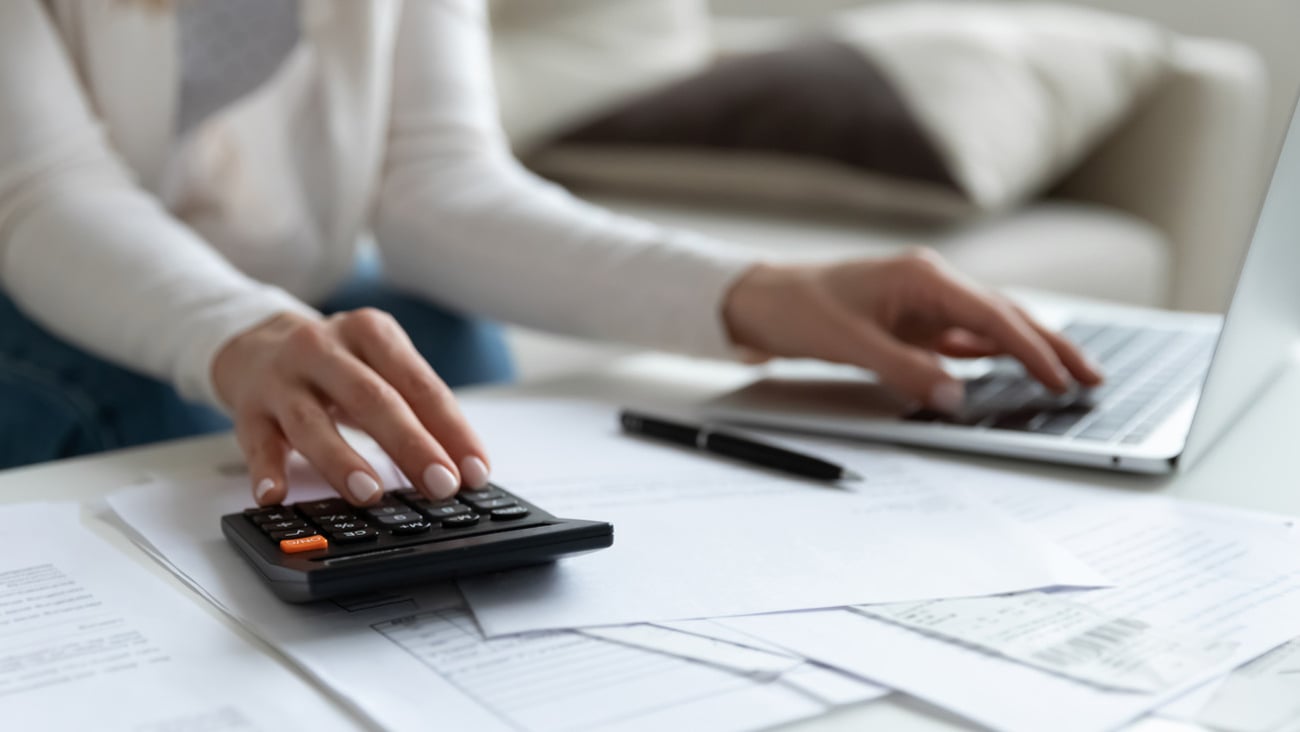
1249,468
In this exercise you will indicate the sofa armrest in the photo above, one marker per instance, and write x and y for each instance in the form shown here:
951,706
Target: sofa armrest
1191,161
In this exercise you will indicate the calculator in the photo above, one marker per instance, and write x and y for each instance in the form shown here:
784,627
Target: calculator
316,550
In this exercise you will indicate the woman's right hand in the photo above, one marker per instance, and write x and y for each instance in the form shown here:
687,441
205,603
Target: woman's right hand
290,380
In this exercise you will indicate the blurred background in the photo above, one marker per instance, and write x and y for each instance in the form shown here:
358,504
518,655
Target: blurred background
1112,150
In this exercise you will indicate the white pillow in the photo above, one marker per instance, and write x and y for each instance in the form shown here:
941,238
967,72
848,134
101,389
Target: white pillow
1014,95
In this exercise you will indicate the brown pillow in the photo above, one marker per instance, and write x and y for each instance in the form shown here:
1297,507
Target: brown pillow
815,122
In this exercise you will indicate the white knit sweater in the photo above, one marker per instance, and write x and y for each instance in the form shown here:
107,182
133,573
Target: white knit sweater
383,119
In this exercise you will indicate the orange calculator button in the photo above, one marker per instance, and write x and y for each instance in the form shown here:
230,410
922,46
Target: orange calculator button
303,544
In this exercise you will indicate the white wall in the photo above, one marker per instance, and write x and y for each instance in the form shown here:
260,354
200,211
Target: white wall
1272,27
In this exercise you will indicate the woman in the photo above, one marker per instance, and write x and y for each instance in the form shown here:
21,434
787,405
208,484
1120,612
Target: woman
176,188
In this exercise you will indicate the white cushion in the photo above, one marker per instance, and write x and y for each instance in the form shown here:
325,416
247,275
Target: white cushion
1014,95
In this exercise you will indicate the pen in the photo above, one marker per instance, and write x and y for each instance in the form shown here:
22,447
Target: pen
733,446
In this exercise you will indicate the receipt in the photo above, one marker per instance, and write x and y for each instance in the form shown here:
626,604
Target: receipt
1062,636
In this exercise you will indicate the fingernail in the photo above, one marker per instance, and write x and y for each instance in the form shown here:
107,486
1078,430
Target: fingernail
362,487
263,488
440,481
1094,367
947,397
473,472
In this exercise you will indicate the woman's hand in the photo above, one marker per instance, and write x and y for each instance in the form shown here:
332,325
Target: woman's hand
289,380
895,316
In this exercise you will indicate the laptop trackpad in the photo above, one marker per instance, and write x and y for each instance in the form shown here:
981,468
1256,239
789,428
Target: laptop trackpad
856,398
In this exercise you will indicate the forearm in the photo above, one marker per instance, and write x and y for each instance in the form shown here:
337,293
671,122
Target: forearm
102,265
488,238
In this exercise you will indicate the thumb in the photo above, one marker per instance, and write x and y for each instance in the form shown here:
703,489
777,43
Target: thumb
913,371
266,451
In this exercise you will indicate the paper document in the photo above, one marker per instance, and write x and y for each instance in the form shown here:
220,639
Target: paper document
89,640
700,537
1056,633
1225,577
741,659
1262,696
406,657
568,681
716,645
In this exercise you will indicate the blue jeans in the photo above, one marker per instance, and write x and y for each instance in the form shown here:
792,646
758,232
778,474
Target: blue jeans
57,401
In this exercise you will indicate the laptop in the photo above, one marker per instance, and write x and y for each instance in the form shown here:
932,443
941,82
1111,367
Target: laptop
1175,381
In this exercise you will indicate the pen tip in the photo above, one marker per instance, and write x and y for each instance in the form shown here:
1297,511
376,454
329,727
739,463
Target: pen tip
846,474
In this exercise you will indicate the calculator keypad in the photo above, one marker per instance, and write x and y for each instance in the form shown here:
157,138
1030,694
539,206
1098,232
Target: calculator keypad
404,515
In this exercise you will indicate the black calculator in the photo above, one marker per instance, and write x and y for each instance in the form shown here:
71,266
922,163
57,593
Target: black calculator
320,549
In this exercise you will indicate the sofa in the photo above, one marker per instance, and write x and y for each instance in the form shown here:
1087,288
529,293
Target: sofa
1157,215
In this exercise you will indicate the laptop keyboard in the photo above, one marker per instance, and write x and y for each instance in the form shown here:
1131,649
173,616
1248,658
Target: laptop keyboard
1149,372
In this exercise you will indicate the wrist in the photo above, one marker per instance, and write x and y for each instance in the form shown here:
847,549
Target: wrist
242,349
757,298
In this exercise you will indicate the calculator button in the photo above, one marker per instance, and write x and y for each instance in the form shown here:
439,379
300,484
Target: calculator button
283,525
305,544
292,534
393,519
268,517
460,520
425,502
446,511
378,511
411,527
487,504
345,525
508,513
323,506
333,518
353,536
481,493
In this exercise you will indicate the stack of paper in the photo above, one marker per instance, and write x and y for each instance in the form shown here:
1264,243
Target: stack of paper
1018,604
89,640
404,658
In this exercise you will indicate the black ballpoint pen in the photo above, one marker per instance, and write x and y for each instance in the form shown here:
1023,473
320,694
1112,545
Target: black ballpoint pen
736,447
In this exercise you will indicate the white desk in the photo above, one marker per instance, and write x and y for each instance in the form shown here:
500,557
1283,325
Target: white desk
1251,467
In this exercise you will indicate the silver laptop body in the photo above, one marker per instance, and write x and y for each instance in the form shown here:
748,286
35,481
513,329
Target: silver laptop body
1175,382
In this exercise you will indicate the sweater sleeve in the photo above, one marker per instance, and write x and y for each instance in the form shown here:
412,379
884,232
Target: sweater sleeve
84,250
460,221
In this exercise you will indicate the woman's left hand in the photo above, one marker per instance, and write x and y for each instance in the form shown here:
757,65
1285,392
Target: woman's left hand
895,316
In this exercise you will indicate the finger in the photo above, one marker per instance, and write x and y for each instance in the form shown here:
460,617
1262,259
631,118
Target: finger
987,316
266,451
960,343
309,429
1079,364
379,410
913,371
384,346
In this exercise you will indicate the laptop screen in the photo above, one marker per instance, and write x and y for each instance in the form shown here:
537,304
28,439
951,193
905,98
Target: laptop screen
1263,319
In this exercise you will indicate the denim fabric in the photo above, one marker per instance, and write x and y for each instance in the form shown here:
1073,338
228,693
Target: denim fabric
57,401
